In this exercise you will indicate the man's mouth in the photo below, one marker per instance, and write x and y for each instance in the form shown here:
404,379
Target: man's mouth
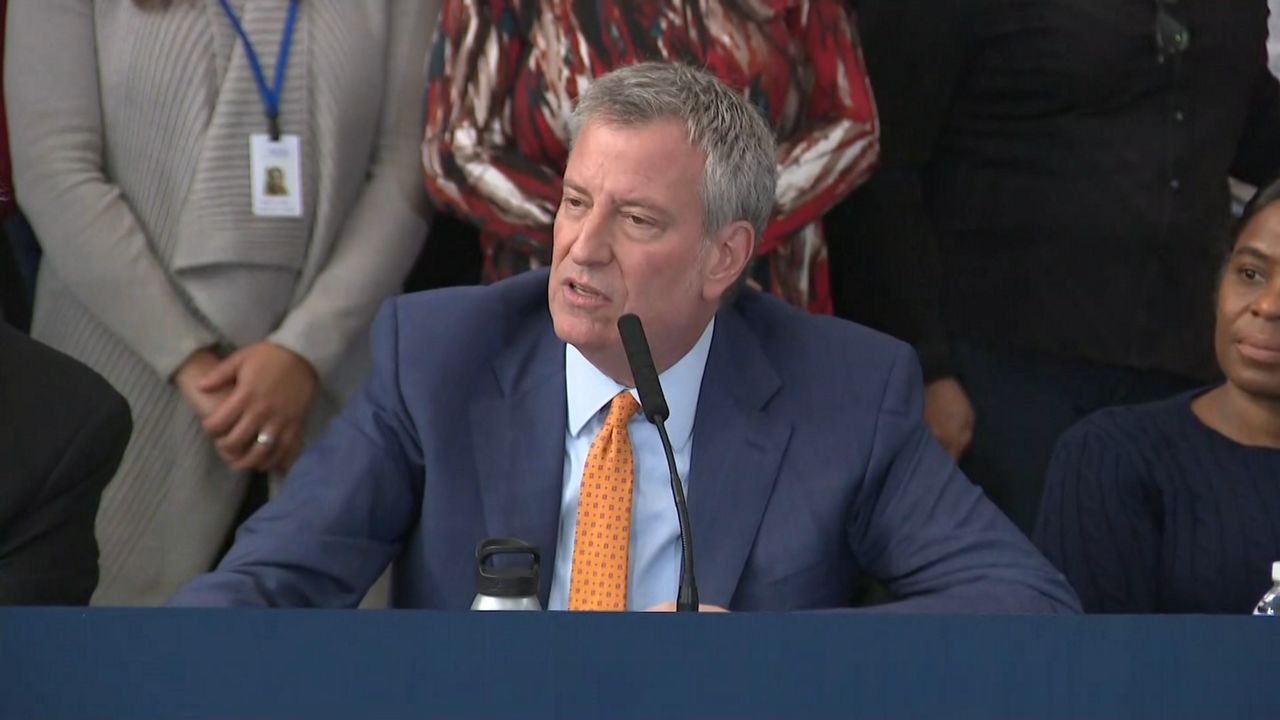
585,290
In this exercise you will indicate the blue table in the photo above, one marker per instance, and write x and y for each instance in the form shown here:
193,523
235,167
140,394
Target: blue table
103,663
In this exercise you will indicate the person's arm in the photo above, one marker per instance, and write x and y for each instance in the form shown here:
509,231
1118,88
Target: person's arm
885,264
388,222
932,536
468,151
838,150
1257,159
917,52
1096,525
88,231
67,430
344,508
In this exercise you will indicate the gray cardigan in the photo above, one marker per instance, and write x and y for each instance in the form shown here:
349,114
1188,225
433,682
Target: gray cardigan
143,207
130,135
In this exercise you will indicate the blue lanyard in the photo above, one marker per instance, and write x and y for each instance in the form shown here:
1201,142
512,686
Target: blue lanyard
270,95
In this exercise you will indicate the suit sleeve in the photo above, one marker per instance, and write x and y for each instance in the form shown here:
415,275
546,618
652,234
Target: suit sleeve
387,224
344,510
1096,524
49,555
931,535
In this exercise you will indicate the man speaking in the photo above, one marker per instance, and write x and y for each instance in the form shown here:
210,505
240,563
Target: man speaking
508,411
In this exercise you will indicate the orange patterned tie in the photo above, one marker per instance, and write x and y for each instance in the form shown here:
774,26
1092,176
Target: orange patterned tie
598,576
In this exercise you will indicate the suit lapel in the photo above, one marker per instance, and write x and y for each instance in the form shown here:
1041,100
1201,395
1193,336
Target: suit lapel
737,450
518,431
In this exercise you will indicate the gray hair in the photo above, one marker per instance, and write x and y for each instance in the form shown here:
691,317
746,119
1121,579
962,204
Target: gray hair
741,174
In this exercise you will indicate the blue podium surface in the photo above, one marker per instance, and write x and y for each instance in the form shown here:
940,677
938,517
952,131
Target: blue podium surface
178,663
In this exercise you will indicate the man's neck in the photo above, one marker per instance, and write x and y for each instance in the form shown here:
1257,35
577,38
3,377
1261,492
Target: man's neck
613,361
617,370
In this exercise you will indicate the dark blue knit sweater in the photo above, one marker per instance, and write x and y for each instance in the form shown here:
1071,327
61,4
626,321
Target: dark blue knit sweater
1147,509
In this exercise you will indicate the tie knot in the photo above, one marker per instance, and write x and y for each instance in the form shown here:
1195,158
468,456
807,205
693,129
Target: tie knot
621,408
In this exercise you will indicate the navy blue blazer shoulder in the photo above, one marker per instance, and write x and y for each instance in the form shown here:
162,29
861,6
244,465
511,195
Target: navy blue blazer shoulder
811,467
63,432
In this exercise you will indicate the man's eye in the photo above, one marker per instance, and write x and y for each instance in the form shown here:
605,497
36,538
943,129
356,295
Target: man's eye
1250,274
572,202
638,221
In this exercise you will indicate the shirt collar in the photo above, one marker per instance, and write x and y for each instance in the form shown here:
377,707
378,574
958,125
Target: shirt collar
588,390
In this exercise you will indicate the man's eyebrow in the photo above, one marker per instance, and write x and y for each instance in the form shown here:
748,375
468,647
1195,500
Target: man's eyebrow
641,201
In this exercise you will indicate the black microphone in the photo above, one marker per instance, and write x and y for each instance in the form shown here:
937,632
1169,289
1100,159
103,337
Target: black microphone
654,405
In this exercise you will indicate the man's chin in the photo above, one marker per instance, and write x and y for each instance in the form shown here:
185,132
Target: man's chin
587,336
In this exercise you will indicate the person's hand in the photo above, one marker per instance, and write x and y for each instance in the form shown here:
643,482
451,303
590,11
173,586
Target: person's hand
949,415
702,607
187,379
259,426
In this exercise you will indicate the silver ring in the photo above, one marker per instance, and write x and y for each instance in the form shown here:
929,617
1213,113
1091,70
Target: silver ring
265,439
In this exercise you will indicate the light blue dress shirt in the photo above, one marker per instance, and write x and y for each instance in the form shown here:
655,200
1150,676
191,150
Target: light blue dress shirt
653,564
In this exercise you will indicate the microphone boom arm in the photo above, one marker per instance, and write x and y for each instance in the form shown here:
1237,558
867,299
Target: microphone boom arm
687,600
654,404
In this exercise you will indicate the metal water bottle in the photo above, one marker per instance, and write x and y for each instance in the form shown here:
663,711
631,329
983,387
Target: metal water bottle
511,587
1270,603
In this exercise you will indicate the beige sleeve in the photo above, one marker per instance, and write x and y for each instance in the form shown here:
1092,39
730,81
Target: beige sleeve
386,226
85,225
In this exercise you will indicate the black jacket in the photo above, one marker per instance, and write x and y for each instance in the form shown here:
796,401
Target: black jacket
1049,181
63,431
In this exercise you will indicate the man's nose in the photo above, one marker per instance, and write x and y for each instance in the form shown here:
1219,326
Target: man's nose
593,244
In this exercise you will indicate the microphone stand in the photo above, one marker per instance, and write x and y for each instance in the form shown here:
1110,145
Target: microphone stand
654,404
687,600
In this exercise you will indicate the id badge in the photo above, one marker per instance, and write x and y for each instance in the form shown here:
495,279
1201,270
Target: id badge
275,174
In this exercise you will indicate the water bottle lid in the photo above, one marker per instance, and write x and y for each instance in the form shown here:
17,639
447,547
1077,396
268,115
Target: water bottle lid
506,582
1275,571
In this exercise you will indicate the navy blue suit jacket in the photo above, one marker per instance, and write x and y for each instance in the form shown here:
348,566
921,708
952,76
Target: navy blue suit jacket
811,466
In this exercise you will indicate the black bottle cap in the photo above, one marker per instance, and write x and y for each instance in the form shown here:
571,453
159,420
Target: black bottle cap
509,581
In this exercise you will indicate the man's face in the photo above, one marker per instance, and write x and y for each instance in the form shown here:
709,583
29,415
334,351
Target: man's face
1247,338
628,239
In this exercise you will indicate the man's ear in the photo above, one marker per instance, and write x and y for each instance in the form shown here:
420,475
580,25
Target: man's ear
727,256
